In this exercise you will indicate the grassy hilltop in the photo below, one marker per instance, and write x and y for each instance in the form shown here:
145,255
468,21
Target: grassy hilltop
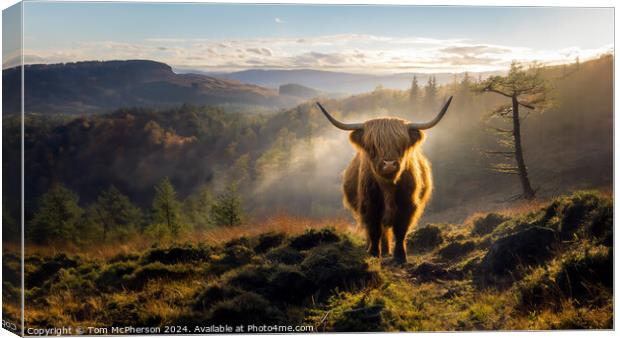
543,267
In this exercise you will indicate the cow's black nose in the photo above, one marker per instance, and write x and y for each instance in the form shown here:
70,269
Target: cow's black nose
390,164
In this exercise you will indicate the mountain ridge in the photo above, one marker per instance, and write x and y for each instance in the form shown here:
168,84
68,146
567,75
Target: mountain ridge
102,86
335,82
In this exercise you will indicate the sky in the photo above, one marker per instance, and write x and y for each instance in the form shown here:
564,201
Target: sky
369,39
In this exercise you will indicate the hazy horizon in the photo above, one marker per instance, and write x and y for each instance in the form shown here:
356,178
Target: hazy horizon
341,38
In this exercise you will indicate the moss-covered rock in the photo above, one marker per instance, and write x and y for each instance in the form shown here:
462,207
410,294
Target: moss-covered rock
568,214
584,273
285,255
486,224
427,272
213,294
245,309
49,269
155,271
513,252
269,240
113,276
232,257
186,253
456,250
312,238
338,266
424,239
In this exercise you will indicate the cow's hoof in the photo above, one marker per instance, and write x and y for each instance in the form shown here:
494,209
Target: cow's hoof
374,253
400,260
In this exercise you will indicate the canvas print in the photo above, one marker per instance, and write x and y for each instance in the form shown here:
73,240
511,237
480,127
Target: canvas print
197,168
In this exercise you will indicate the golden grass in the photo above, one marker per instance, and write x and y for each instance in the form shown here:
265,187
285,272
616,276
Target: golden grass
217,235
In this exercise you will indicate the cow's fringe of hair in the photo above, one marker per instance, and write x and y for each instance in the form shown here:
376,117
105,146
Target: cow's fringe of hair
387,134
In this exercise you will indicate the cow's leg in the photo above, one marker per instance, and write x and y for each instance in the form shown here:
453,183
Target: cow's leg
400,254
401,226
371,213
385,242
371,218
374,233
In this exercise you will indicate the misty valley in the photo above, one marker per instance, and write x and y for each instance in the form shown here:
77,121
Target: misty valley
154,198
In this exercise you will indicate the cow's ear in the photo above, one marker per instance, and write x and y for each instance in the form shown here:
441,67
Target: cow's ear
415,136
357,137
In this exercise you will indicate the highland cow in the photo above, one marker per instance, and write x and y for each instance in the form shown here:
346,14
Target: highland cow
388,183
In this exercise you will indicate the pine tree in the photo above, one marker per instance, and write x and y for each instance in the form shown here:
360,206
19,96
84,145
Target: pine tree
116,213
525,88
58,216
430,91
166,207
197,208
414,92
227,210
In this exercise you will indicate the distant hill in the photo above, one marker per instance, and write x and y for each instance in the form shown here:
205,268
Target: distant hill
335,82
93,86
296,90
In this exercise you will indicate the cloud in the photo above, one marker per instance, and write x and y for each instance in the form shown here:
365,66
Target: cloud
278,20
342,52
474,50
260,51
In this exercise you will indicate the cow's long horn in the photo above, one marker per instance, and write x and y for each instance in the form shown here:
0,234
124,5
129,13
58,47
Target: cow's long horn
338,124
430,124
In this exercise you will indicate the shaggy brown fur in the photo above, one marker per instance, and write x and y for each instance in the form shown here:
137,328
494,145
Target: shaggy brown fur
388,183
